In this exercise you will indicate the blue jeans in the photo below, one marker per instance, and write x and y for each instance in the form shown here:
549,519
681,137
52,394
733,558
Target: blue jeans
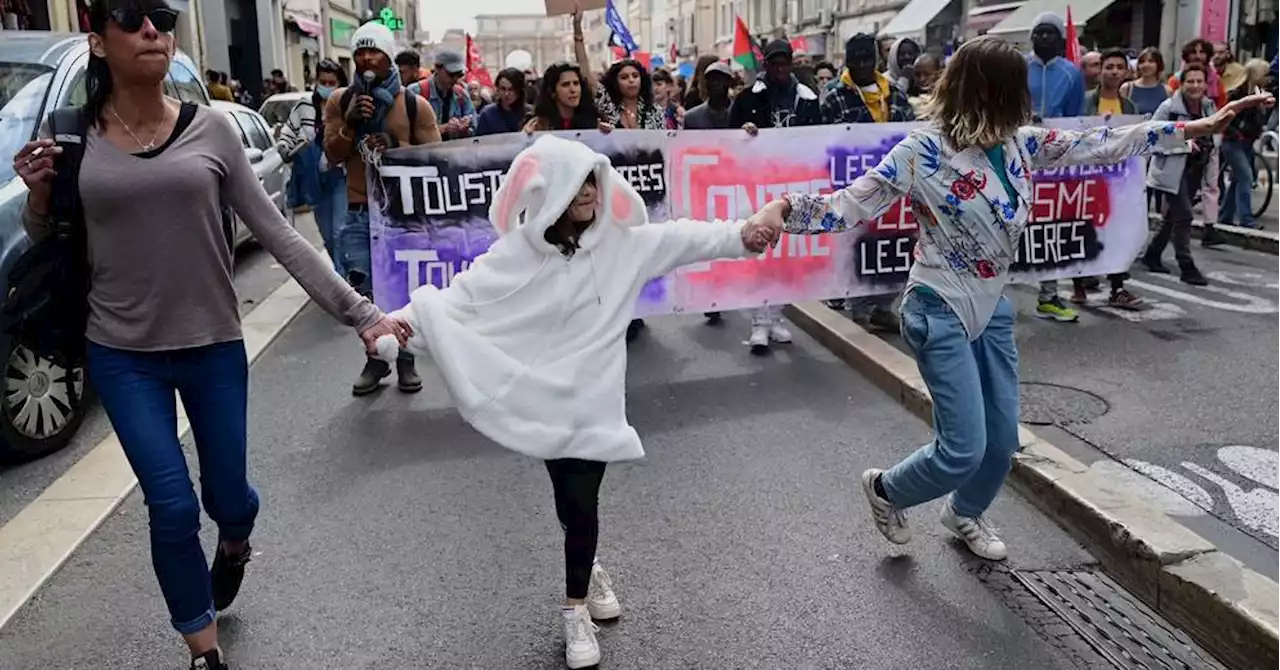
975,407
304,183
331,214
137,391
353,243
357,259
1238,200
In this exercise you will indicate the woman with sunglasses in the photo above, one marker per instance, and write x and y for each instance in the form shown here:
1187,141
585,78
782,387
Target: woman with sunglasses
162,306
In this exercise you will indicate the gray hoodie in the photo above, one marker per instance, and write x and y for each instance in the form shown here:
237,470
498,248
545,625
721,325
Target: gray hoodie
896,76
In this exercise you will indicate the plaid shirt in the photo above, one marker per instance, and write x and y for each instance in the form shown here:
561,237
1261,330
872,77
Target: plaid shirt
845,105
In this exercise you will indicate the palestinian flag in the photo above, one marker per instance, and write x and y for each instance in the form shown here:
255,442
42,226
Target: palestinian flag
744,48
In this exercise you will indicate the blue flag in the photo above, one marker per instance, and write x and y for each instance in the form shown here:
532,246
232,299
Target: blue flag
621,35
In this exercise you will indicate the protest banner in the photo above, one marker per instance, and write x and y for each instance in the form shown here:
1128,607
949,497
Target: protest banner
429,209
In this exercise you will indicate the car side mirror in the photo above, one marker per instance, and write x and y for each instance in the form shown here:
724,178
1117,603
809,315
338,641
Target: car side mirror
254,155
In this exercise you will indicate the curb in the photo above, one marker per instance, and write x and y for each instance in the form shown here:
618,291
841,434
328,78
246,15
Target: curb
1227,608
1246,238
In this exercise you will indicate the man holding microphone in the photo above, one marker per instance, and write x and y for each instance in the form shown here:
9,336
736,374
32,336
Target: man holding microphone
372,115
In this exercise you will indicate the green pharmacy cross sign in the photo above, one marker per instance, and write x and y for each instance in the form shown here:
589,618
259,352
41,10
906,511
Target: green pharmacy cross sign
388,18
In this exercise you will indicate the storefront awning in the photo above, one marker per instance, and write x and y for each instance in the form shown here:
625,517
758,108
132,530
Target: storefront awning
984,18
914,18
304,23
1018,24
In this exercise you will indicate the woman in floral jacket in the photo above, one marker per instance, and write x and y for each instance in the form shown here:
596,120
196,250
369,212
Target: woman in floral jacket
969,178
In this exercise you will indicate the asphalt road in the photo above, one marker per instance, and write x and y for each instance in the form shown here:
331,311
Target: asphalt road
394,536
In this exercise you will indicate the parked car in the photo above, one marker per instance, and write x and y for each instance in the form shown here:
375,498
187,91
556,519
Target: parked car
44,403
276,109
260,149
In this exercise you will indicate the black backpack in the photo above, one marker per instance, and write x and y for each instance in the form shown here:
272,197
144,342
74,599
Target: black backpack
47,305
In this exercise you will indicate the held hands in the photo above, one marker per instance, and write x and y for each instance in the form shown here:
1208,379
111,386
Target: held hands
604,128
395,327
764,228
1218,122
34,163
751,129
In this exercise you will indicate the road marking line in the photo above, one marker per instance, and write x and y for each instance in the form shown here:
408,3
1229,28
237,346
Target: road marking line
1250,279
1252,304
1156,310
39,539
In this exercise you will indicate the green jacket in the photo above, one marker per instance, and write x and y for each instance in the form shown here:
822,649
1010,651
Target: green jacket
1091,103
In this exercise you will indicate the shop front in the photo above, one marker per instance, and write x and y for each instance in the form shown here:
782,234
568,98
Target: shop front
1254,31
302,47
340,30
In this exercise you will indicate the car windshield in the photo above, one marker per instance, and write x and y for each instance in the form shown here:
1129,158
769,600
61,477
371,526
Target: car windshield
22,90
277,111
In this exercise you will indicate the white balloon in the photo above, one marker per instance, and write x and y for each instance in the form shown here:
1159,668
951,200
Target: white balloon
520,59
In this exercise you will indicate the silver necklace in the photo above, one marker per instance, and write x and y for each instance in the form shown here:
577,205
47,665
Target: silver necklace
147,146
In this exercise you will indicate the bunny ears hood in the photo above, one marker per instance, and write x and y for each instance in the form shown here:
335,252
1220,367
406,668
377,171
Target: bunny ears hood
543,181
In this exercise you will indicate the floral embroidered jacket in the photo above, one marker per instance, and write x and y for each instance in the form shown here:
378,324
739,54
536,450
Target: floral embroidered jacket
969,227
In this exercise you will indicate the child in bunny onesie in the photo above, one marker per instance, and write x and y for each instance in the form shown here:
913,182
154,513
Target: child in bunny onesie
530,338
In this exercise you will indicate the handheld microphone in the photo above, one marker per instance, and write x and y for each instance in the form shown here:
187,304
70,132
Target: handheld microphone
367,77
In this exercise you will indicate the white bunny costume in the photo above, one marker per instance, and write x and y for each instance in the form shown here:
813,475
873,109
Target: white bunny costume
529,341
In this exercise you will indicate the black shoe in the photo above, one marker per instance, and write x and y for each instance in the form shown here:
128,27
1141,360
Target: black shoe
633,329
714,318
226,574
1211,238
370,377
210,660
1191,275
1154,266
407,379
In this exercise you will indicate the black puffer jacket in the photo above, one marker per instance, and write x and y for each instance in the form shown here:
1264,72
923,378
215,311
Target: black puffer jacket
753,105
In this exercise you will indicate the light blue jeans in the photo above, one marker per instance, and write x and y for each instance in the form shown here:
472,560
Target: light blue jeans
975,407
331,214
1237,202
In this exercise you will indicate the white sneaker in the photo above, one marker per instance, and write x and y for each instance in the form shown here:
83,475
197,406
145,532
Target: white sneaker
890,521
979,535
601,601
779,333
759,340
580,647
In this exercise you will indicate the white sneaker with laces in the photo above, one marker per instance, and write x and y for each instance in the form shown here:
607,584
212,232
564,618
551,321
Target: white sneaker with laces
759,340
979,535
779,333
601,601
890,521
580,647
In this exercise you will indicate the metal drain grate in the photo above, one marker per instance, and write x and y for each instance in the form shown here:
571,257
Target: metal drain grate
1115,624
1054,404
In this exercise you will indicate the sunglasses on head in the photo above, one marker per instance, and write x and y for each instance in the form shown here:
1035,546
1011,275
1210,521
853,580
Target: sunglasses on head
131,20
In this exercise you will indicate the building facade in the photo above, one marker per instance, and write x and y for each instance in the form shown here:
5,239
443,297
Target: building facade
544,37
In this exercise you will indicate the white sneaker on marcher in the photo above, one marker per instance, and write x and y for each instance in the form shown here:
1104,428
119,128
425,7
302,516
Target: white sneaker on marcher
890,521
779,333
601,601
759,340
580,647
979,535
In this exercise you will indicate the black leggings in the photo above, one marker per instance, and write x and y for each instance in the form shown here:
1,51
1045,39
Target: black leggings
577,487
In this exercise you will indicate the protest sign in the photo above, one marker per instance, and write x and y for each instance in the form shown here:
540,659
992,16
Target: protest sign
429,209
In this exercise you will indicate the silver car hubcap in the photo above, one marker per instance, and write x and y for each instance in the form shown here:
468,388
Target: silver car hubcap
41,397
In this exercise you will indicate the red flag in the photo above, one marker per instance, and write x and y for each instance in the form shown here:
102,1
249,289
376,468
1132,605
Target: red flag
645,58
745,50
674,56
1073,41
476,71
618,52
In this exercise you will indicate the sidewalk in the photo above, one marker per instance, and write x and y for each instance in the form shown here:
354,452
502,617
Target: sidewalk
394,536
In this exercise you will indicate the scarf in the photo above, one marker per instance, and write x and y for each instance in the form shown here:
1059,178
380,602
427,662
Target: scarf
384,98
877,101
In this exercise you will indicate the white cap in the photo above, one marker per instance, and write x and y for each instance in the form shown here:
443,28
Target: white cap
374,35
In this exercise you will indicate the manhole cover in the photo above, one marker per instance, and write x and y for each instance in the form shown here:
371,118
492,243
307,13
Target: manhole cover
1119,627
1049,404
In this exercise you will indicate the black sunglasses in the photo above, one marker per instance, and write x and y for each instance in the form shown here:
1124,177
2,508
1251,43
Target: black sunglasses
131,20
